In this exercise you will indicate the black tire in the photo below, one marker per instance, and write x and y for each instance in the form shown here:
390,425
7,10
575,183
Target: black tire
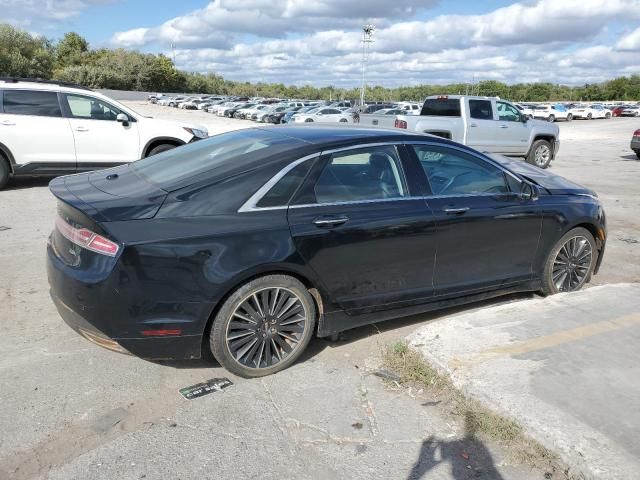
250,347
163,147
309,120
5,172
589,116
607,116
538,156
343,120
551,118
553,267
637,152
569,117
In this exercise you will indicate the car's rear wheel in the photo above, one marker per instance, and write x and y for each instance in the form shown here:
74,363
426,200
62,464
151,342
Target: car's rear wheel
607,116
551,118
540,154
570,263
569,117
589,116
5,173
637,152
264,326
309,120
163,147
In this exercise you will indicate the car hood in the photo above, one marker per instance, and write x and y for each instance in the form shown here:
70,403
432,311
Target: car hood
552,183
168,124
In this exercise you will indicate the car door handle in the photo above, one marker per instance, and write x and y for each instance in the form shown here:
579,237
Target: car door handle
330,222
7,122
456,211
473,125
503,126
81,129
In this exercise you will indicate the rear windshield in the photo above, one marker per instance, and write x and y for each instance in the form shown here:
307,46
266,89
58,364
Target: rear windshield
205,156
441,107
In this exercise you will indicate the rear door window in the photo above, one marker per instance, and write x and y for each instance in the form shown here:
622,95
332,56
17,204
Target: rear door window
31,102
370,173
480,109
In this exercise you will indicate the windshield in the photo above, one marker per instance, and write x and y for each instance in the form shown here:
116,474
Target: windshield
171,167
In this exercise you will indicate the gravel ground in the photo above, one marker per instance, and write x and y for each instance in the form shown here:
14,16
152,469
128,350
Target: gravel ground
73,410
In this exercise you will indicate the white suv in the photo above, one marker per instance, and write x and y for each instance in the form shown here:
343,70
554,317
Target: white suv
54,128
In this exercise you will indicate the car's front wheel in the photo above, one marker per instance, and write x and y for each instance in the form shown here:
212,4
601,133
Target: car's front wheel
540,154
551,118
163,147
570,263
5,173
264,326
569,117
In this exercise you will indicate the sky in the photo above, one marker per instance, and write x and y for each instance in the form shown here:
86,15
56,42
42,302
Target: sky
318,42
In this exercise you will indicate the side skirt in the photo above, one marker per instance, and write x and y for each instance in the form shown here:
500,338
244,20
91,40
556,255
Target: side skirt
331,323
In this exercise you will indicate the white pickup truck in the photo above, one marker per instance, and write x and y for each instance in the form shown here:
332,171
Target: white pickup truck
488,124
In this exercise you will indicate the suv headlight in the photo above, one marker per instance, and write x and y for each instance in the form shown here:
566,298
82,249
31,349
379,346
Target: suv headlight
196,132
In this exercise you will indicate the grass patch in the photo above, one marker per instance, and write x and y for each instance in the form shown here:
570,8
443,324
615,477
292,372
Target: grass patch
414,371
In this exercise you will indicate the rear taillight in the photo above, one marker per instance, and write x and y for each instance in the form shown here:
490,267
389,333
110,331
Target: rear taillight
636,133
400,123
87,239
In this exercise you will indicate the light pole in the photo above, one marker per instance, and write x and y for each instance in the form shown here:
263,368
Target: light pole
367,33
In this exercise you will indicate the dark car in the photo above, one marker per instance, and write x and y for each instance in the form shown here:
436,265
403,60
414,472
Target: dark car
251,242
635,143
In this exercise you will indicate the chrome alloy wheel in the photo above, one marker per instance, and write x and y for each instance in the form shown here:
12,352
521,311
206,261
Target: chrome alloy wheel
542,155
572,264
266,327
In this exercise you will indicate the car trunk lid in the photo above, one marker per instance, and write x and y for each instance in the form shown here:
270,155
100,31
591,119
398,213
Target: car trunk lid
108,195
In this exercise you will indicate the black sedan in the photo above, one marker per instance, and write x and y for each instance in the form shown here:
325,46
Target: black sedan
251,242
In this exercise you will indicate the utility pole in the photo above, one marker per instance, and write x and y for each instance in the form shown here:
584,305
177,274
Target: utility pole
367,33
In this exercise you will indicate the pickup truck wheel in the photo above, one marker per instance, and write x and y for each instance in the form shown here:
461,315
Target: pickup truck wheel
551,118
5,173
163,147
540,154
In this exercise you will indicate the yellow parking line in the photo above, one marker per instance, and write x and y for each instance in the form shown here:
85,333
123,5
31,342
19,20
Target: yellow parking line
552,340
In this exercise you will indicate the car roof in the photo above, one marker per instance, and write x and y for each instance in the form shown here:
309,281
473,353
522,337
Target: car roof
336,134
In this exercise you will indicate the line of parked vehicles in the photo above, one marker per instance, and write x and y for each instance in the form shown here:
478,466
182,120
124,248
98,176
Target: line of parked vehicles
276,111
573,111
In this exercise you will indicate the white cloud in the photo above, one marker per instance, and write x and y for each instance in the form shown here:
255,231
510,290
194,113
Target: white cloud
630,42
25,11
301,41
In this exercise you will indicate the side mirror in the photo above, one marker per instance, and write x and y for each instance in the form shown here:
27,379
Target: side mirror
524,118
528,191
123,119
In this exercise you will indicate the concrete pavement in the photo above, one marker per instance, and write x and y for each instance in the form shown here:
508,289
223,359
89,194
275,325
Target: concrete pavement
566,367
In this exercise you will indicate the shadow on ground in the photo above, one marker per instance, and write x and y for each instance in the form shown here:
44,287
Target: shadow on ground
467,457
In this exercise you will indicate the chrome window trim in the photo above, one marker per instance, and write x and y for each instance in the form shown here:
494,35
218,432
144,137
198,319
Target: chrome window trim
250,204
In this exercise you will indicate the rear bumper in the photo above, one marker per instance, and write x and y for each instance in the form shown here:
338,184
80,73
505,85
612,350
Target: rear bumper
635,143
182,347
93,310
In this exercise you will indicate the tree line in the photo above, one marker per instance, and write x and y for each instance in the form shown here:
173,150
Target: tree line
71,59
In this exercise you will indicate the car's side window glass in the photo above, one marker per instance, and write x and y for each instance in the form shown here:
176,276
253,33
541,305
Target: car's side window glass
481,109
91,108
31,102
372,173
451,172
507,112
280,194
